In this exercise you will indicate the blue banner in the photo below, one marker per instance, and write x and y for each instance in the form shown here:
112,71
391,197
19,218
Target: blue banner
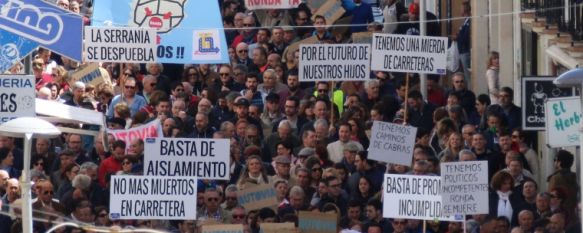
189,31
44,23
13,48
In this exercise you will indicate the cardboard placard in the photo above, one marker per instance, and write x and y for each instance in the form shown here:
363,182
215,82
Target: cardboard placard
91,74
334,62
362,38
563,119
114,44
464,187
286,227
409,54
151,130
191,157
257,197
392,143
18,97
312,222
150,197
222,228
414,197
332,10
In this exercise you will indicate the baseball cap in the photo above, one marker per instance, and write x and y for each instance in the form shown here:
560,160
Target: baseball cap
242,101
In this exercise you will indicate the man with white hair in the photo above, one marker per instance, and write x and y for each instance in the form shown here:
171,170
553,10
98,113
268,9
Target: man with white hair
44,93
4,176
149,83
78,89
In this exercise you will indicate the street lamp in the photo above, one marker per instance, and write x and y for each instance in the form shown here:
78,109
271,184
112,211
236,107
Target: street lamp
28,128
574,78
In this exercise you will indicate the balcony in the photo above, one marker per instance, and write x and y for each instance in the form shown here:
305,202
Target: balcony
566,16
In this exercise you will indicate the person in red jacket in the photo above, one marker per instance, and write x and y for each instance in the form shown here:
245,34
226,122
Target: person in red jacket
113,163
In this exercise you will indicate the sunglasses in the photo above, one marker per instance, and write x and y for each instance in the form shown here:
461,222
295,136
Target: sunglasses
214,199
130,87
317,169
224,74
243,51
238,216
322,90
48,192
248,25
126,162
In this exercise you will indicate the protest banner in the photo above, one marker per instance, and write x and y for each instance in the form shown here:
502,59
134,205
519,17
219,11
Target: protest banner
392,143
287,227
414,197
151,130
563,116
535,91
362,38
409,54
191,157
271,4
257,197
334,62
464,188
332,10
28,24
114,44
17,97
91,74
315,222
222,228
150,197
188,31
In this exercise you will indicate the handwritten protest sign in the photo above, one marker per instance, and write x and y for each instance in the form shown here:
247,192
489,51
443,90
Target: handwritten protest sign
392,143
414,54
413,197
150,197
311,222
91,74
150,130
257,197
17,97
203,158
464,187
334,62
222,228
332,10
271,4
188,31
563,120
114,44
286,227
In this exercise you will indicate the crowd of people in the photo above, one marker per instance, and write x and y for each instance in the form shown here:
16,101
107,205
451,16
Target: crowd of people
307,139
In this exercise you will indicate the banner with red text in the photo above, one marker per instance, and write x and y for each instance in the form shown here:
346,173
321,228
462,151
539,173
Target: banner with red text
271,4
151,130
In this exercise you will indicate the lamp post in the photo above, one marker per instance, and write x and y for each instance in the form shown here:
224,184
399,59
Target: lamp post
28,128
574,78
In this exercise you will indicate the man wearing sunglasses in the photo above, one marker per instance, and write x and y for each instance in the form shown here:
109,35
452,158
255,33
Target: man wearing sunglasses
45,197
212,209
128,96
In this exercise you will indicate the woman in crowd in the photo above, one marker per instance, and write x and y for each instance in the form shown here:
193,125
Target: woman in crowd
453,147
492,76
254,173
503,202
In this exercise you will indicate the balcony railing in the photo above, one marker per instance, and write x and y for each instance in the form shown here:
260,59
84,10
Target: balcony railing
553,11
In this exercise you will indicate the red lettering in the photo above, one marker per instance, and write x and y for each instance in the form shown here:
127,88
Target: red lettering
133,135
153,132
120,136
294,2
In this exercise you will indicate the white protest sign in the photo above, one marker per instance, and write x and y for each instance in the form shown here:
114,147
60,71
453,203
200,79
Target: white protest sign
149,197
115,44
151,130
464,187
392,143
203,158
414,54
334,62
17,97
563,117
413,197
271,4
